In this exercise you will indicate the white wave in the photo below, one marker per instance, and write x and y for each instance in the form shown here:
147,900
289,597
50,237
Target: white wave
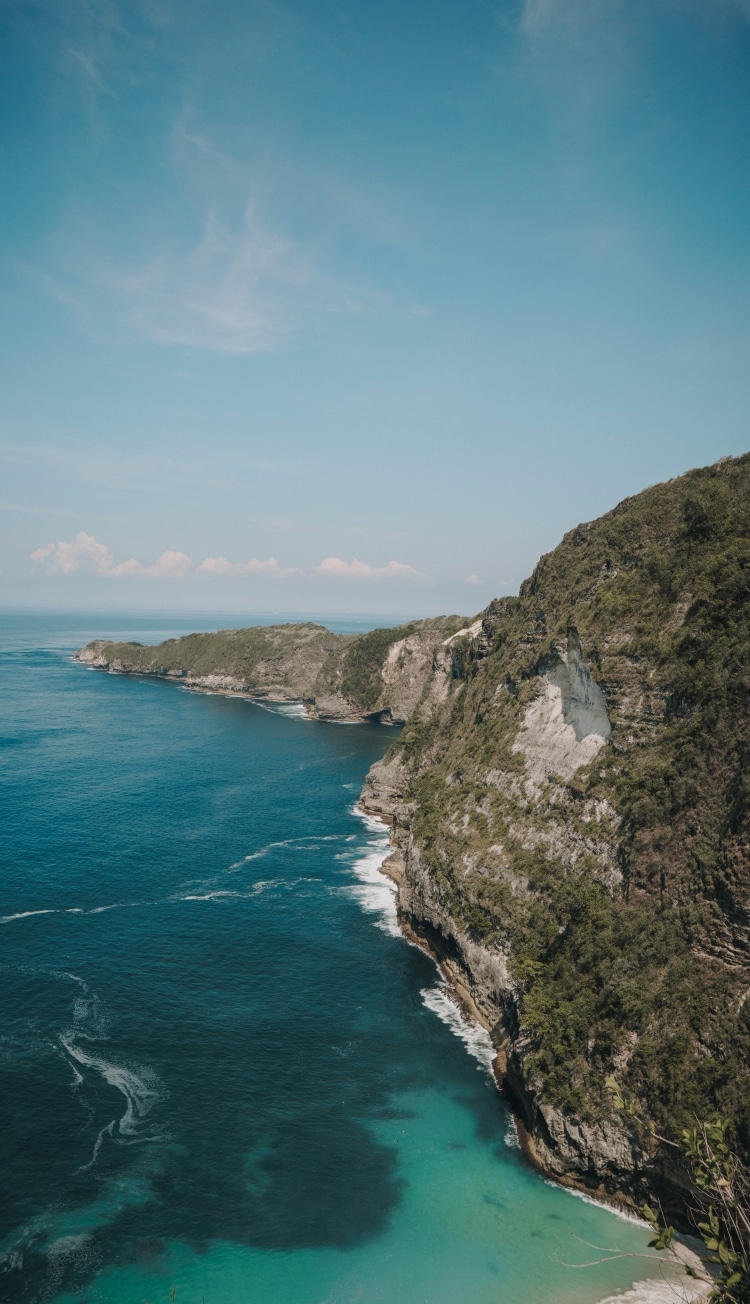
293,710
25,914
476,1039
666,1291
512,1139
598,1204
116,905
375,892
142,1091
371,822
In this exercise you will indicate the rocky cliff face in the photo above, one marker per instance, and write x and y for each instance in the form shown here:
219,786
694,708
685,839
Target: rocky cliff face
378,675
568,811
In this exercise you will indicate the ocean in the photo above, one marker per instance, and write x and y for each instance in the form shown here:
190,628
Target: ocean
222,1070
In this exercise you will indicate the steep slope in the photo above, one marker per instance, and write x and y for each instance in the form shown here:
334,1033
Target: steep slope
570,829
381,674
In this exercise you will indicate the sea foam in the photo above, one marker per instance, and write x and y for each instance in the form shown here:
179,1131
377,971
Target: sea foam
476,1039
375,891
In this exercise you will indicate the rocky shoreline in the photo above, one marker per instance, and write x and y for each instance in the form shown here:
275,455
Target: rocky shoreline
686,1284
345,678
605,1159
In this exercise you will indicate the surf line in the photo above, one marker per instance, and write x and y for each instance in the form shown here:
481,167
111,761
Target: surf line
379,894
454,1006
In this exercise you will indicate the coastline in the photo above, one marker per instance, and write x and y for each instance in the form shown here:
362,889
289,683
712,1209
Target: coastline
676,1285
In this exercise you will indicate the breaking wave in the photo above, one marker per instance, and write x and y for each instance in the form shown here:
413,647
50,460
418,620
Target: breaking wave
476,1039
374,890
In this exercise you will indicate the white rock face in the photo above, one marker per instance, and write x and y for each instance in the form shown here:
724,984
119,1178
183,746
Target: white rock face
566,724
549,745
471,630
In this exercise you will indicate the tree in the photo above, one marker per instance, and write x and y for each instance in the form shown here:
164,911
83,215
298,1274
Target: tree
720,1201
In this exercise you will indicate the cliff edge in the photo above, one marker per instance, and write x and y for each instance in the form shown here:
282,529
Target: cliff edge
346,677
569,818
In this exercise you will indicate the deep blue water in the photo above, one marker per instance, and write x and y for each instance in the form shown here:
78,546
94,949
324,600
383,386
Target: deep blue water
220,1067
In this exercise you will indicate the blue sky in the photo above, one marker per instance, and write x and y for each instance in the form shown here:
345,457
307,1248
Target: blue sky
332,307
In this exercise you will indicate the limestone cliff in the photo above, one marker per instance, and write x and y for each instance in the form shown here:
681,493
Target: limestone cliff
570,829
378,675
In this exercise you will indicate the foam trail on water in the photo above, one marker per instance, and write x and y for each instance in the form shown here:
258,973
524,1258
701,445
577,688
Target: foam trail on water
116,905
108,1128
207,896
140,1097
25,914
77,1077
285,842
476,1039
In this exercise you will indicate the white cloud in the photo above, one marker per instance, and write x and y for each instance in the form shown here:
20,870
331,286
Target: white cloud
83,552
357,569
220,566
171,565
473,579
87,554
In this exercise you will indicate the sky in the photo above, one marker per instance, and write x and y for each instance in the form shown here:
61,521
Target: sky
334,306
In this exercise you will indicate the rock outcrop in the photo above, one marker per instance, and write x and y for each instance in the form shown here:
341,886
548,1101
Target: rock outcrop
568,805
570,831
379,675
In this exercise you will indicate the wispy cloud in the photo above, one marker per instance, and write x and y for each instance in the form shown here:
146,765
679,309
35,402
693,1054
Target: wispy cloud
541,18
360,570
91,70
235,292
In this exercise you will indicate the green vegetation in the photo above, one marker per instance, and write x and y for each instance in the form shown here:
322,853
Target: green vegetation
622,895
718,1203
362,680
362,664
304,661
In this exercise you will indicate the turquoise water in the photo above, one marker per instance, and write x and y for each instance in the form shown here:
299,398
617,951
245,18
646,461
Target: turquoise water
221,1068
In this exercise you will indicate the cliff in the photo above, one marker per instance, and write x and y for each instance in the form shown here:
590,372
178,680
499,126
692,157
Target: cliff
378,675
570,826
